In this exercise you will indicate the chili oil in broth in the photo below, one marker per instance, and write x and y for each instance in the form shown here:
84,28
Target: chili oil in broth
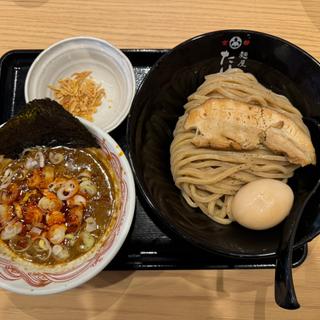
39,240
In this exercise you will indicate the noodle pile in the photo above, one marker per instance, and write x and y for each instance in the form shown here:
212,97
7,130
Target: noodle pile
209,178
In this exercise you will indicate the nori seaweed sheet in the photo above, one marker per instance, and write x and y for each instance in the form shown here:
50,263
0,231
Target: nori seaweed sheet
43,122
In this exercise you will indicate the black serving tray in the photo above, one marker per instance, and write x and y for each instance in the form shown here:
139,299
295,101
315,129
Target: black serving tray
147,246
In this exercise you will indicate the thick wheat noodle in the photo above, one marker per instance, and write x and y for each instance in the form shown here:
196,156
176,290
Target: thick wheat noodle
247,90
209,178
233,157
219,188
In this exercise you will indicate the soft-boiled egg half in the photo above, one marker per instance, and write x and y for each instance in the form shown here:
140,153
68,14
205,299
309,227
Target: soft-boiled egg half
262,204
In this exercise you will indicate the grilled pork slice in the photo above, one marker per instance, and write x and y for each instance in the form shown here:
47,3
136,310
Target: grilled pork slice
232,125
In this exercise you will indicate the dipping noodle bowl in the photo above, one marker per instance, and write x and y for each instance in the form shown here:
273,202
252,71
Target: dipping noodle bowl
65,209
223,138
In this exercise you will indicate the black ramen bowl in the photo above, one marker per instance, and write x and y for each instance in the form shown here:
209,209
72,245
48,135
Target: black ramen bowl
278,65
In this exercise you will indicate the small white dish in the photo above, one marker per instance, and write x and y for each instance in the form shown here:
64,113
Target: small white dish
15,278
109,66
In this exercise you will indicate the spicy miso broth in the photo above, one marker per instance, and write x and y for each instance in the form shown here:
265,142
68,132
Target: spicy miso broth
56,203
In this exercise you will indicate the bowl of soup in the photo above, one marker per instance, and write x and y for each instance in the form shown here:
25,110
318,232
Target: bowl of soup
216,113
64,212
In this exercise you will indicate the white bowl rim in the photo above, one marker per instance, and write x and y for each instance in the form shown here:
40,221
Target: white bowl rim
131,77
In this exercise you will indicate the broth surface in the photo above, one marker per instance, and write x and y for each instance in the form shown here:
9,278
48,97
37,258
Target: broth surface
56,203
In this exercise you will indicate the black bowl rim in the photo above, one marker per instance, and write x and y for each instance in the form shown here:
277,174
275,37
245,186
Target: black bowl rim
142,190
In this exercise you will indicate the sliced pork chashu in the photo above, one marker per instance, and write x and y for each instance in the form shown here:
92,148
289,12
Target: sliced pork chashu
228,124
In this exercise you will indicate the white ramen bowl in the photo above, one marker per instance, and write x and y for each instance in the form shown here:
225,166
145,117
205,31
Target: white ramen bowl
109,66
16,279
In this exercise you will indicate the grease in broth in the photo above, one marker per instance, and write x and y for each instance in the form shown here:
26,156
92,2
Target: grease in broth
56,203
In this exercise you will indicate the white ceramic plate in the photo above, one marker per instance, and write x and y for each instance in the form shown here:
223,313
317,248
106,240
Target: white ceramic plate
109,66
14,278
